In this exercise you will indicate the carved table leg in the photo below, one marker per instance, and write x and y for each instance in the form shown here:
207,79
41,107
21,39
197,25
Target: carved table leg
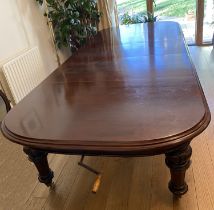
178,161
39,158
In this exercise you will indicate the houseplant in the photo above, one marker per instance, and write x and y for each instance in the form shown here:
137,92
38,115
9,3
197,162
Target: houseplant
73,21
141,17
127,19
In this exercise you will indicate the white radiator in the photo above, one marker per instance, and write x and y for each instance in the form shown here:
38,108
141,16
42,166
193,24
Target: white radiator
24,73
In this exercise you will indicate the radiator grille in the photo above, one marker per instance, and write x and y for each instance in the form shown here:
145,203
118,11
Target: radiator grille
24,73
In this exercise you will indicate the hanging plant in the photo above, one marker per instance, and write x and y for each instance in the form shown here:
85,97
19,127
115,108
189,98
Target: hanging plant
73,21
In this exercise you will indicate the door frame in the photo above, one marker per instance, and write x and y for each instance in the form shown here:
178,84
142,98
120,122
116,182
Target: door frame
198,23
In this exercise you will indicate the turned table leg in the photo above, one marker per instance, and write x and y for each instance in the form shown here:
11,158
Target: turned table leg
178,161
39,158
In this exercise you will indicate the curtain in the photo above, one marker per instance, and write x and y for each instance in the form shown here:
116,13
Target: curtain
109,16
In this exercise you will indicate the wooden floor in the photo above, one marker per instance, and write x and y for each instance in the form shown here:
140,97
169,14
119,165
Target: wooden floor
129,183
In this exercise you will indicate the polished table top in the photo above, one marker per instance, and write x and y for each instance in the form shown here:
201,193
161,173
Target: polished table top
131,90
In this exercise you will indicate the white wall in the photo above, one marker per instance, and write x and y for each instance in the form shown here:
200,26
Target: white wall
23,26
13,39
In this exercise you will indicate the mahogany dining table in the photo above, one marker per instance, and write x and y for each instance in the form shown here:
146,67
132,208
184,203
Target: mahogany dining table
129,91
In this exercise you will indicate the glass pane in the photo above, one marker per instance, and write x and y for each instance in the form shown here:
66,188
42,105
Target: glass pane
181,11
208,21
134,8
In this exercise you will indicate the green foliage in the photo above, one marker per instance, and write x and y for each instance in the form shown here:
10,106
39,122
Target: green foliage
127,19
150,17
40,1
73,21
141,17
169,8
